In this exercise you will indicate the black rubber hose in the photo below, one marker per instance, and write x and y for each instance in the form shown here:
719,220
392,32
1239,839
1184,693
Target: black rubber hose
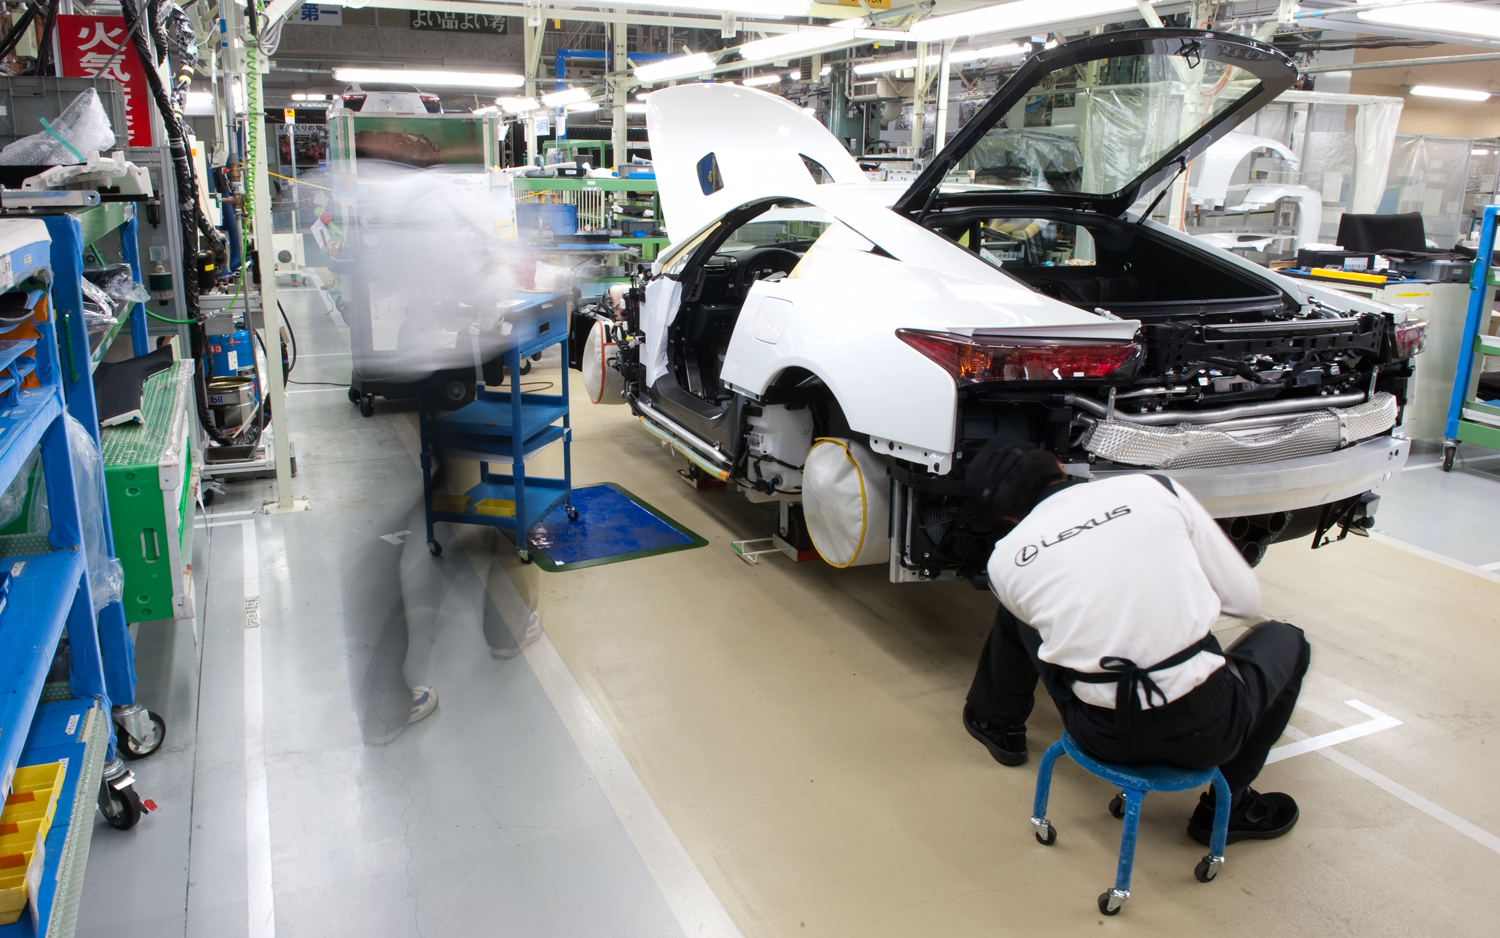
17,31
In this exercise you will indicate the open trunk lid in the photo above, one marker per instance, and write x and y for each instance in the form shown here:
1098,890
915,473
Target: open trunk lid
1093,123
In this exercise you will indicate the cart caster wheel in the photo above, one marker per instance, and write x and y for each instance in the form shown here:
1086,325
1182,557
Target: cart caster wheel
526,367
1117,806
1207,869
1049,840
572,513
367,405
434,548
207,496
1110,904
1448,453
354,396
122,809
138,749
340,305
524,554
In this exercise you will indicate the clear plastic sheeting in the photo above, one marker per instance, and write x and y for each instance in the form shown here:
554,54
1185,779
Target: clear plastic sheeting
663,297
1195,446
846,501
13,499
106,574
1025,159
83,124
1429,175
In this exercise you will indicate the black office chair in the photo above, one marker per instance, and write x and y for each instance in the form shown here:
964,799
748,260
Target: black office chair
1379,234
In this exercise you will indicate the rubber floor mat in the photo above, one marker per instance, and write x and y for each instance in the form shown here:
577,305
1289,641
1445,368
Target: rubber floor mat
613,525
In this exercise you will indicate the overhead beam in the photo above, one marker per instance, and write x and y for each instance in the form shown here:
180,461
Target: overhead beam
685,20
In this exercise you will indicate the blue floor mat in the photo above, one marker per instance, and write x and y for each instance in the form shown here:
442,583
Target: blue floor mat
612,526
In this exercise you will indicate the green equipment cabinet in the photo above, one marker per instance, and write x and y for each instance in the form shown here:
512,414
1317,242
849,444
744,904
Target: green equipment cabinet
151,477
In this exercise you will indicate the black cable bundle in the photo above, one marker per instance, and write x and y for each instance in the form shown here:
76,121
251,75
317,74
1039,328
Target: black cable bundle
190,213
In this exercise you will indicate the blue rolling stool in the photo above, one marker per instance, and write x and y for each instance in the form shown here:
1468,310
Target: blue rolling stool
1134,781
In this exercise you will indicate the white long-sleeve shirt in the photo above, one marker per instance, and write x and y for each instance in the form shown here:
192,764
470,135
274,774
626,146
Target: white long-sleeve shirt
1122,567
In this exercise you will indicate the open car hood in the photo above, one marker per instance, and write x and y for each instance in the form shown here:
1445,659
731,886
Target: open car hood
718,146
1096,122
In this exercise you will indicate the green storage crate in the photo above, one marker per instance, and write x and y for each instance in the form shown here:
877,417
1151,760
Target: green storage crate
151,478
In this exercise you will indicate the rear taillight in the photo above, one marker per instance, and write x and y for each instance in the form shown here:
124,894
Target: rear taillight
1411,336
982,359
354,101
432,103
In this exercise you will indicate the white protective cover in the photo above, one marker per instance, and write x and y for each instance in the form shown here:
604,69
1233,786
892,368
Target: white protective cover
663,296
1224,157
603,383
846,500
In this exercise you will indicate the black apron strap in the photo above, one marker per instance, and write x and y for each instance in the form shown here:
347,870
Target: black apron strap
1130,678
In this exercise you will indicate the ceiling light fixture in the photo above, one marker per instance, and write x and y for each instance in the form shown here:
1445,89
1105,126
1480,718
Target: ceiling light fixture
635,109
1467,19
679,67
566,96
956,57
1455,94
827,70
582,107
794,75
760,81
1017,16
485,111
518,105
431,79
764,9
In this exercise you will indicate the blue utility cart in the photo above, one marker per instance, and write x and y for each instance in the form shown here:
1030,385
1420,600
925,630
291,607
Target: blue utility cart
506,427
1473,412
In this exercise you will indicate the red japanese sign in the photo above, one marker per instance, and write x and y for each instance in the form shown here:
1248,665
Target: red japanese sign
87,47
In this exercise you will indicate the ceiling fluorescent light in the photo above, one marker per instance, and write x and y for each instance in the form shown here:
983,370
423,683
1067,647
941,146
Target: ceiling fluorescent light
1455,94
760,81
680,67
827,70
583,107
430,79
566,96
889,65
518,105
635,109
485,111
960,56
1017,16
1464,19
764,9
794,76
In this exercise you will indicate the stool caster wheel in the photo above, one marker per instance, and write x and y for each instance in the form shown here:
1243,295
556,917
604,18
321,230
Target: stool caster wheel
434,548
1049,839
572,513
354,396
1111,901
1208,868
367,405
524,554
526,367
1448,453
1117,806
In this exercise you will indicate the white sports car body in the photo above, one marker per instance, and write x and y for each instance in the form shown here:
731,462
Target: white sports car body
1013,289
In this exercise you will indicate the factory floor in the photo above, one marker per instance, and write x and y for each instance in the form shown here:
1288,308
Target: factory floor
696,746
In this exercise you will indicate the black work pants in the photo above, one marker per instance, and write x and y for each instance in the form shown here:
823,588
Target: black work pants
1228,721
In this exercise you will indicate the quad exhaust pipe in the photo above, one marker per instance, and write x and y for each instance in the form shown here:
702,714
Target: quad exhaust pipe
1253,534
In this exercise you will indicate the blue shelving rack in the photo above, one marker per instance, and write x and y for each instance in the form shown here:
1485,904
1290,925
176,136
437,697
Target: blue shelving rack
500,427
47,590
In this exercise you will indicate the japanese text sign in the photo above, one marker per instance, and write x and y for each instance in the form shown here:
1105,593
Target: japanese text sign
87,47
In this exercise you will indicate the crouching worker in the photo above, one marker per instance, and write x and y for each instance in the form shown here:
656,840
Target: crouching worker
1108,590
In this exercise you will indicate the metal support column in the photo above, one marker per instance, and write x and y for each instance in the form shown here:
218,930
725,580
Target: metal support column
621,88
940,134
919,100
276,392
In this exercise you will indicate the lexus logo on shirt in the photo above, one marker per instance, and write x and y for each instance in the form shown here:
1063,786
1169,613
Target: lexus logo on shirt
1029,553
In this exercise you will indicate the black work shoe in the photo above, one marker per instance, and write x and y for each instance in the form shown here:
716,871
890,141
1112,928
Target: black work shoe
1006,743
1258,817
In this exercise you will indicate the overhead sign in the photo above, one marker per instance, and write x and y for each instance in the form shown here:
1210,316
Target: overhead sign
98,47
318,14
460,22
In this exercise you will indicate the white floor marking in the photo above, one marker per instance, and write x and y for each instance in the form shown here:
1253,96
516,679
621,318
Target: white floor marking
1490,566
398,538
1473,831
344,354
1460,463
262,906
1434,556
341,388
1313,743
697,909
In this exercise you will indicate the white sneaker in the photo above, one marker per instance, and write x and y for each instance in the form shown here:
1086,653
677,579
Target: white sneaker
529,634
423,702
